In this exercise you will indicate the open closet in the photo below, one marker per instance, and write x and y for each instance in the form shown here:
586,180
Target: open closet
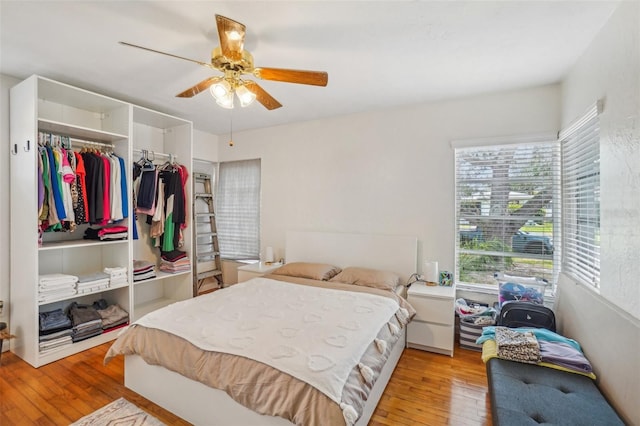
76,237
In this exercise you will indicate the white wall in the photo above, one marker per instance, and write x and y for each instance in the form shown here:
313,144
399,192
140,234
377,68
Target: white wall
607,323
386,172
205,146
6,83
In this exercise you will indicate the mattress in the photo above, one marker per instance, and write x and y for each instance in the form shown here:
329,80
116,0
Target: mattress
262,387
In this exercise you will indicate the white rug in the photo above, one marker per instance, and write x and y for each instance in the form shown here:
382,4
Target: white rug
119,413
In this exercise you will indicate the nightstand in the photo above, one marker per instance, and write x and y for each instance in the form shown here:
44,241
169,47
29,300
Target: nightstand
432,329
256,270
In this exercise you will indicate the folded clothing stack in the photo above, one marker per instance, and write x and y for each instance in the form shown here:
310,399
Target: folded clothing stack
107,233
117,275
56,286
175,261
113,316
54,330
143,270
517,346
92,282
86,321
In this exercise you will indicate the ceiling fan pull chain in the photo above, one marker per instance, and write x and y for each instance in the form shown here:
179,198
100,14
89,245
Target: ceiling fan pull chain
231,127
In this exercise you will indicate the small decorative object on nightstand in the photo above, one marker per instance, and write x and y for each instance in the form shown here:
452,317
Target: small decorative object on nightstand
432,329
256,270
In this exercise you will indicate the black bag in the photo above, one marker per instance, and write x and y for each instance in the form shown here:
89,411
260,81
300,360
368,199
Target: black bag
526,314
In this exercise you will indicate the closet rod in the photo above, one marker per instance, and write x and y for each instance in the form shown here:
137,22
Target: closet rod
76,141
154,154
83,142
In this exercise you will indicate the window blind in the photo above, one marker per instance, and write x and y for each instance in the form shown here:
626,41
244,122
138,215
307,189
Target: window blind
238,209
506,210
581,198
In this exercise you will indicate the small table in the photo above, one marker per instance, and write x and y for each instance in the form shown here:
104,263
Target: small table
256,270
432,329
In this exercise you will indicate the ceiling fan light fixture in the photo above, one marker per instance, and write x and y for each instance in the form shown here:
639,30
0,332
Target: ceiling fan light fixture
245,95
226,101
221,90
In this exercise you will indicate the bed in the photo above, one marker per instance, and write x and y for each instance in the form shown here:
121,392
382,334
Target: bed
343,373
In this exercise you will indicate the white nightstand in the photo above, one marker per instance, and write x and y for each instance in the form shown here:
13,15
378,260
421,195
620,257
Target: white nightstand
256,270
432,329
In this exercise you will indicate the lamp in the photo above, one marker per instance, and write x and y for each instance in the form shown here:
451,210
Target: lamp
224,89
268,256
430,272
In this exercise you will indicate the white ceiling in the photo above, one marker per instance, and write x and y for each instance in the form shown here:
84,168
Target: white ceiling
378,54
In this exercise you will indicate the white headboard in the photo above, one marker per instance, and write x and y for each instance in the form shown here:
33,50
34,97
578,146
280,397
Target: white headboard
386,252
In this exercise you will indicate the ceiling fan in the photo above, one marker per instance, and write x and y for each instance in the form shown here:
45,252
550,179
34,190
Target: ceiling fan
234,62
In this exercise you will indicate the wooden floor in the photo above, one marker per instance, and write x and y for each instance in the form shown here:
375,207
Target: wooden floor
425,389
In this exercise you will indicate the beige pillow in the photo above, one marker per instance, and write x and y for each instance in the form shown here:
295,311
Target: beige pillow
314,271
368,277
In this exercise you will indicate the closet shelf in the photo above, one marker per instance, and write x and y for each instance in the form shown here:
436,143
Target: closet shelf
160,275
58,245
77,295
62,352
78,131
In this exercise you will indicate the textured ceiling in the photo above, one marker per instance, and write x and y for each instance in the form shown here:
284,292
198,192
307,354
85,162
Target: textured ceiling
378,54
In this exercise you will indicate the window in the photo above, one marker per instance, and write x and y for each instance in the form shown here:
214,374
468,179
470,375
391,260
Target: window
238,209
581,199
506,208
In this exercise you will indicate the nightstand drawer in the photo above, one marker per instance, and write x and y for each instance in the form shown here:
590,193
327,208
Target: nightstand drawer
430,335
435,310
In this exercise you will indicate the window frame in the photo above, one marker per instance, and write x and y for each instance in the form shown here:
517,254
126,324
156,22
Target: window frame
580,144
494,143
252,251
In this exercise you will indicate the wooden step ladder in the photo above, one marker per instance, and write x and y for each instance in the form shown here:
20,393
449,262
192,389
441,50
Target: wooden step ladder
207,275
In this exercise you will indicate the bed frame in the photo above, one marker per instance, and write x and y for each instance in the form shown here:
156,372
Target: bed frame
203,405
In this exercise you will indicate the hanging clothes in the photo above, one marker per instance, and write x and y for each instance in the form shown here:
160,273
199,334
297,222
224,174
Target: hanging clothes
78,187
160,194
82,208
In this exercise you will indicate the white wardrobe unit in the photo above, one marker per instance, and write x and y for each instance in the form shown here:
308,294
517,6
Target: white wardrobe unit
164,139
42,105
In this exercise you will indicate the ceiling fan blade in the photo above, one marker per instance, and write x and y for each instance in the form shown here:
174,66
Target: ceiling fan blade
268,101
231,35
315,78
168,54
203,85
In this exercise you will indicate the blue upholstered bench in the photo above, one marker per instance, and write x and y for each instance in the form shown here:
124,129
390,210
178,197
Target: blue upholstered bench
526,394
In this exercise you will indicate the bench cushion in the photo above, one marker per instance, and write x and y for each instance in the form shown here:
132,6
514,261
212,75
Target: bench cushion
526,394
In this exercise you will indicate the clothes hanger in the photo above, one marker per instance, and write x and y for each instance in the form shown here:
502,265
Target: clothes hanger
148,165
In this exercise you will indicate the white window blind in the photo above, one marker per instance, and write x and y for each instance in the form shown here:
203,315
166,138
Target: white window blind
581,198
238,209
506,207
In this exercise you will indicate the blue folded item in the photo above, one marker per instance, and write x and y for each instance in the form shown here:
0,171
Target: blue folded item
53,320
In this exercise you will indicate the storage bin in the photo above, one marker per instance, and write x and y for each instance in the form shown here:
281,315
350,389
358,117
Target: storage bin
520,289
469,332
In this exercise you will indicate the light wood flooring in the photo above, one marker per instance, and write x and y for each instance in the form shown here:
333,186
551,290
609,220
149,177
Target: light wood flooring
425,389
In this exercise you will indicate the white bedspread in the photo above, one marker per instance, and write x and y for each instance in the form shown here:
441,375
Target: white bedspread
317,335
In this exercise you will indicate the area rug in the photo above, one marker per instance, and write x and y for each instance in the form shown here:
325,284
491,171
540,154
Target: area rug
119,413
